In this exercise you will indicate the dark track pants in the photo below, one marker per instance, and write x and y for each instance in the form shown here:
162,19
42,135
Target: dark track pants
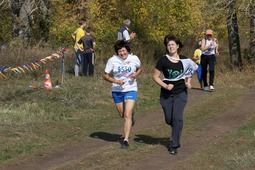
173,107
88,64
205,61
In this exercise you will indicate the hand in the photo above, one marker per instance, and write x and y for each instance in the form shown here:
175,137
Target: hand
120,82
169,87
132,35
217,53
195,58
133,76
188,85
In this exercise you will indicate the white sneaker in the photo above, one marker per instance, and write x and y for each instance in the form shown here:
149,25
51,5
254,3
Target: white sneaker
211,87
206,88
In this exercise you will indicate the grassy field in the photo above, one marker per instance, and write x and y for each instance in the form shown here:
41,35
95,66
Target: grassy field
35,121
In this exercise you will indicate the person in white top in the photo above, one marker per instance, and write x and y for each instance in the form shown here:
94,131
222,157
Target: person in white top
125,68
209,47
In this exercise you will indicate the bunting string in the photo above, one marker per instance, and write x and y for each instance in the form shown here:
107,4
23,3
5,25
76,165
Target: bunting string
33,65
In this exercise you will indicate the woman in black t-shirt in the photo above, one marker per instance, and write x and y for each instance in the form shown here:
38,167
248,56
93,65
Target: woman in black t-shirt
177,71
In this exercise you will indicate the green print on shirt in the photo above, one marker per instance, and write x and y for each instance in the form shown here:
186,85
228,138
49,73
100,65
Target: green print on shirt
174,74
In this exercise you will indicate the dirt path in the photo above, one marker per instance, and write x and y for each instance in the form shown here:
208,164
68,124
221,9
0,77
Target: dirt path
211,130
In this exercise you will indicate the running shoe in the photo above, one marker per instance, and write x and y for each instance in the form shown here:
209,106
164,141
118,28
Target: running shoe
206,88
173,151
211,87
125,144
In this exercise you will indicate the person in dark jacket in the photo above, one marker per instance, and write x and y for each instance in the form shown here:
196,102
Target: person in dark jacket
123,32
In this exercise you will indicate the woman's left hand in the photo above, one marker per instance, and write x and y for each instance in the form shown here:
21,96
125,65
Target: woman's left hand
133,76
188,85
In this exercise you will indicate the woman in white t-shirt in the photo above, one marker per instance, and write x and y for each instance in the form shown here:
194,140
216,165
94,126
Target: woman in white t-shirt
125,67
209,47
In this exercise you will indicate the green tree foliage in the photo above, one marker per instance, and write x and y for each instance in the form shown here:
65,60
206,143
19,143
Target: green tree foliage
151,20
63,19
104,18
5,26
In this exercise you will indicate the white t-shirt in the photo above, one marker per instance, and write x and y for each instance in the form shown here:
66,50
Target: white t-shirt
123,69
211,50
126,35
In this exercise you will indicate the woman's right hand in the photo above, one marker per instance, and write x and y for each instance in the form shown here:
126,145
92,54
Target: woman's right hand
169,87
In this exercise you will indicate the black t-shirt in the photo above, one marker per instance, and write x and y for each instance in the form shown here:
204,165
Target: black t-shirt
171,70
87,41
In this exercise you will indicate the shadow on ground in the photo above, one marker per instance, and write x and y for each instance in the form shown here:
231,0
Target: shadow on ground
199,89
107,136
152,140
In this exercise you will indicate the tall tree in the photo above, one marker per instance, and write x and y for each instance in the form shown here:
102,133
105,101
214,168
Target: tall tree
233,36
252,32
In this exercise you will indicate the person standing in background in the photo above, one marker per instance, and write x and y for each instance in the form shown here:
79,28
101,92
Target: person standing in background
88,59
78,33
209,47
123,32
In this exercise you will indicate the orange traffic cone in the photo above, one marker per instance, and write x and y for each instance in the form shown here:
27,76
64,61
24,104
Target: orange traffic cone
47,81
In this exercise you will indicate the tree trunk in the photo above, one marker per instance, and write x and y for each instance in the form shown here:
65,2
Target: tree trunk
252,34
233,37
24,13
15,7
22,20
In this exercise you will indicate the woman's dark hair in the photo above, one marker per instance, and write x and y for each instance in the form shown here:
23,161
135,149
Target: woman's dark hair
171,37
120,44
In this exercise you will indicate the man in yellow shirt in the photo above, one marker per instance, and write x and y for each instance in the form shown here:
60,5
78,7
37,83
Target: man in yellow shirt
76,37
